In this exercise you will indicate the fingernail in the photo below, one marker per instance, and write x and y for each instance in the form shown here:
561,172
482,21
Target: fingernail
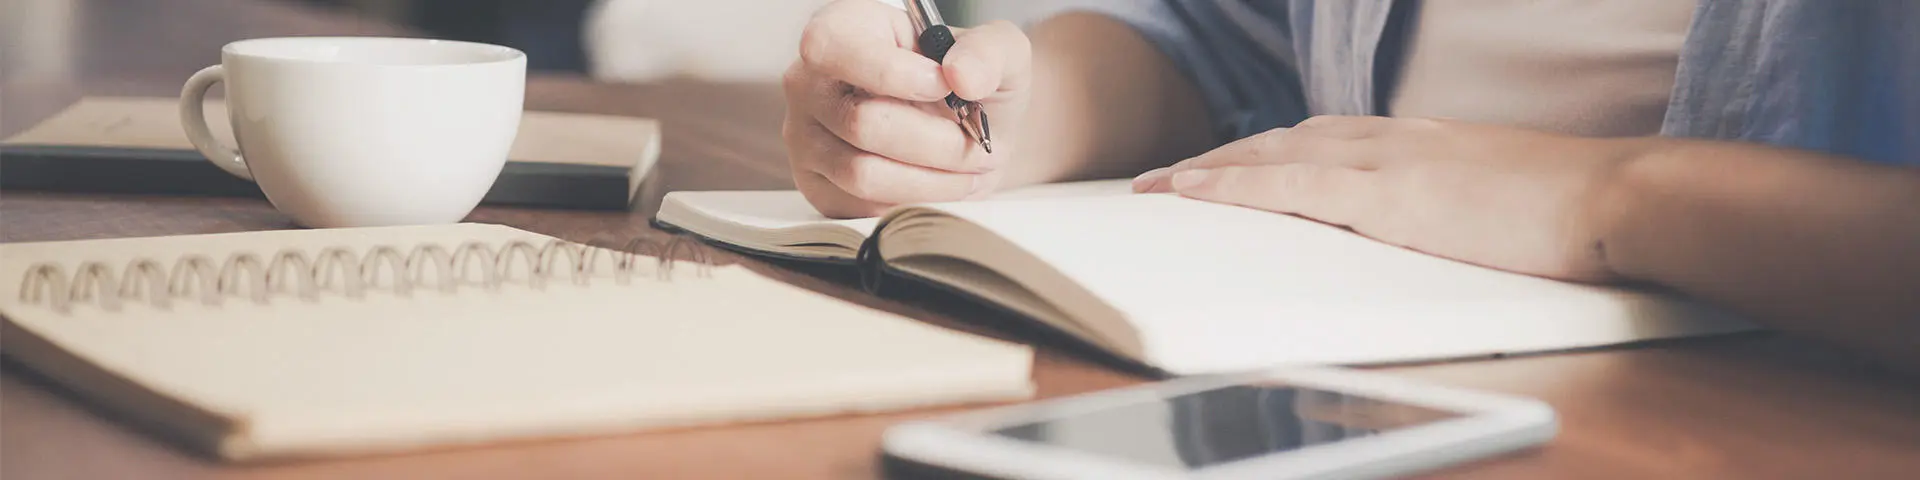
1189,179
1146,180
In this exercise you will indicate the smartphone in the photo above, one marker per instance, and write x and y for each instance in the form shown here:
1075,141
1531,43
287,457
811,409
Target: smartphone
1287,423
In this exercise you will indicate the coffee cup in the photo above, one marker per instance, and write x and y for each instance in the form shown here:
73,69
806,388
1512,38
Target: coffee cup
363,131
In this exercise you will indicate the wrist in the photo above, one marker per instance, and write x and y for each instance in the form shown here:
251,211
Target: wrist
1104,103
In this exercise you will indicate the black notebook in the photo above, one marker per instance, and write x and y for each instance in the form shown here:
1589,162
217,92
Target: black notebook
135,145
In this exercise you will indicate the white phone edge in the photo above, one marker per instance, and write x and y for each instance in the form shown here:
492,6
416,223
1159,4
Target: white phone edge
1493,424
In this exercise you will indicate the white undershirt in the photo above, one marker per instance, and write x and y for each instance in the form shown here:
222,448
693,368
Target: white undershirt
1585,67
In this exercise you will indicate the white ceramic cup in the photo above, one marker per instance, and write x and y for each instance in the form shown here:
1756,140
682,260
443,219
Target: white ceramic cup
363,131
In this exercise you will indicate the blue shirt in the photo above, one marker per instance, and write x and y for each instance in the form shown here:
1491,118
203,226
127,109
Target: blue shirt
1837,76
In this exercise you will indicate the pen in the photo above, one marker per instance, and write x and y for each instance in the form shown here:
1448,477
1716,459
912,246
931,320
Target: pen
934,38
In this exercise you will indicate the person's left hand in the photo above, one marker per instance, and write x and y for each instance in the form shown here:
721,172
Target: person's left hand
1519,200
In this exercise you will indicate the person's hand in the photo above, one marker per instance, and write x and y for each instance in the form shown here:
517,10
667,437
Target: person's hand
866,127
1524,201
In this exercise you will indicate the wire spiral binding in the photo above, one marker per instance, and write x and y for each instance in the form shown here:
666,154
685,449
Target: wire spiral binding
341,270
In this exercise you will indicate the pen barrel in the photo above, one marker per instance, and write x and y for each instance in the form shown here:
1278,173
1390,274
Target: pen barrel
924,14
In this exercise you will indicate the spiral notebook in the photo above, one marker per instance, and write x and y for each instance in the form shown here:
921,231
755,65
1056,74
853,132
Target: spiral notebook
319,343
1184,286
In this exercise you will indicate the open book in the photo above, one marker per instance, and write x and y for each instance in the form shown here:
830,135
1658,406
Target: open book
1185,286
314,343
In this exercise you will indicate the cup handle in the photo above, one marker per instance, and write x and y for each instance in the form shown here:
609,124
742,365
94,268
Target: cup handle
193,117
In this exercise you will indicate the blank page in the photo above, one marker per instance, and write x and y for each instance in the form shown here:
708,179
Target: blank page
767,210
763,210
1218,287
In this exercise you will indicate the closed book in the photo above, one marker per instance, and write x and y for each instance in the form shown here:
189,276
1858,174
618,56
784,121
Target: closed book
135,145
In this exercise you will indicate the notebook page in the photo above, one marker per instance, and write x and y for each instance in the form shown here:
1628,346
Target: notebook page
1215,287
1089,188
339,375
783,209
764,209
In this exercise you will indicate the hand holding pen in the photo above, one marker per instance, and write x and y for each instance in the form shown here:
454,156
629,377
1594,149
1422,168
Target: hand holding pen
933,38
877,117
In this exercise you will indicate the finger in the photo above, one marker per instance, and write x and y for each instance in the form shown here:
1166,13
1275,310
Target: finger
1331,194
859,42
915,133
874,178
1153,181
988,58
827,198
832,202
1273,147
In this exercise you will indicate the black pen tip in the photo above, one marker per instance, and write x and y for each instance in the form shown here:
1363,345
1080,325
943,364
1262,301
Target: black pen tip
987,144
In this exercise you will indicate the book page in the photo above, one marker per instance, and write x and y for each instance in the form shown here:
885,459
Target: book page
390,369
1089,188
764,210
1212,287
756,219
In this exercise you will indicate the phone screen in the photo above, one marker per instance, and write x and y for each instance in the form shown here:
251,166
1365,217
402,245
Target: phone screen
1210,427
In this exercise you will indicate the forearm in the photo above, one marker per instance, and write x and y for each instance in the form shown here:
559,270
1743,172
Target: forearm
1105,104
1808,243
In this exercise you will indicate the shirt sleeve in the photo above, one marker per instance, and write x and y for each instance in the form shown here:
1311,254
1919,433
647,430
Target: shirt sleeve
1241,57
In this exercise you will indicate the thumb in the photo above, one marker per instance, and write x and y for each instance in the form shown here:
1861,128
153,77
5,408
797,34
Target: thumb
990,58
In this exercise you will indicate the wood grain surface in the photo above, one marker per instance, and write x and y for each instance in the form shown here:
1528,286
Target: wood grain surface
1756,406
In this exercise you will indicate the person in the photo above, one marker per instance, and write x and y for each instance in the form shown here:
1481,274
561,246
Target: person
1761,154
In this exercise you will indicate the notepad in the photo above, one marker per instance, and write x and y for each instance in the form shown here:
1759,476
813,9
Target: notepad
323,343
1190,287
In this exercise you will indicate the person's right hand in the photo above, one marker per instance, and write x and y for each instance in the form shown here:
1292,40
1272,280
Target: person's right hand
866,127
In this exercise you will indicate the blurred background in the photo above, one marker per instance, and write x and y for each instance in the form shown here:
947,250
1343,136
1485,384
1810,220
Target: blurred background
636,40
682,60
615,40
54,51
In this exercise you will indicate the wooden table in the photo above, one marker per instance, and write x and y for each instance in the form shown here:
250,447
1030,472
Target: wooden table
1750,407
